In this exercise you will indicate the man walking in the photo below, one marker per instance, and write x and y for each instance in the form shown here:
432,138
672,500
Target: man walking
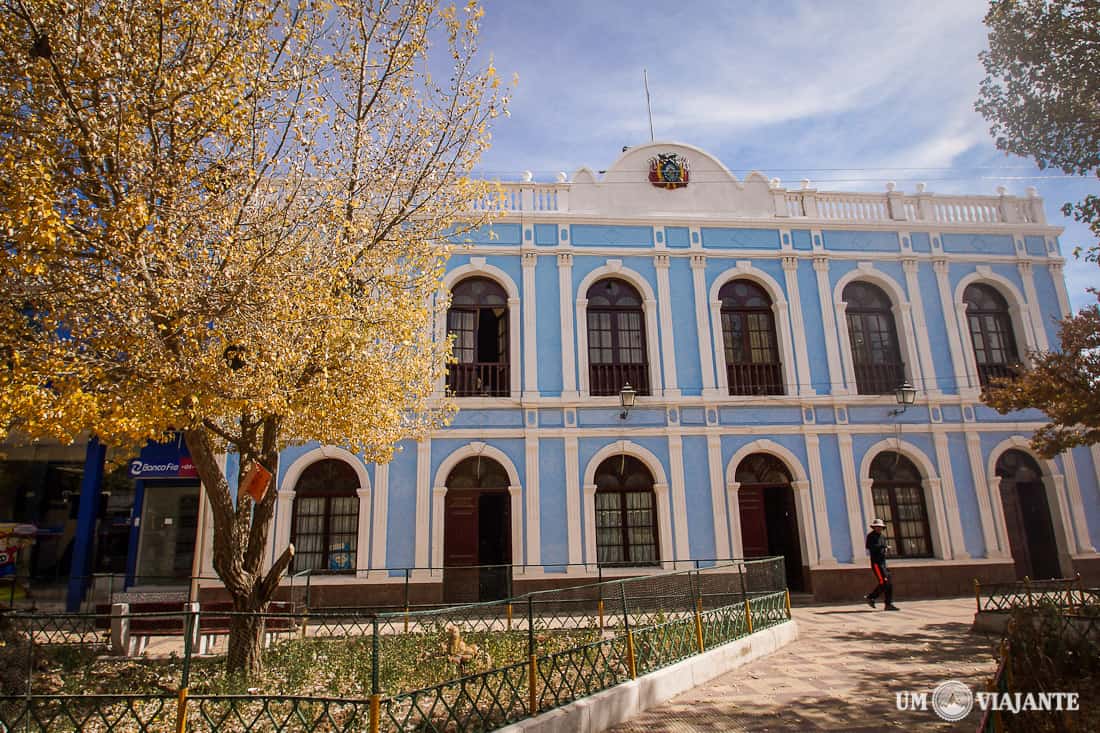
876,548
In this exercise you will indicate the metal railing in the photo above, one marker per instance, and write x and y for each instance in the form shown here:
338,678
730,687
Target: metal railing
479,379
1065,593
608,379
755,379
471,667
879,378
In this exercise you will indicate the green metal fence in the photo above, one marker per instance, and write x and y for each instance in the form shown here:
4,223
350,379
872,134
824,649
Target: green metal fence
1027,593
475,667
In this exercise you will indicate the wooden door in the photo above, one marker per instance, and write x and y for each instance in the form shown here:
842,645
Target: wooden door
460,546
1030,530
782,521
754,523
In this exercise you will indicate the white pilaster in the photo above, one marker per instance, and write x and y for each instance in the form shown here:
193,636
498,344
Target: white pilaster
737,546
438,499
988,494
653,349
837,384
798,326
950,498
664,523
530,343
805,512
668,345
717,495
519,542
1034,312
590,556
933,501
678,505
582,345
424,501
285,502
717,338
514,381
851,496
573,500
565,306
817,495
533,542
1076,504
363,534
960,362
703,327
380,514
1058,276
931,385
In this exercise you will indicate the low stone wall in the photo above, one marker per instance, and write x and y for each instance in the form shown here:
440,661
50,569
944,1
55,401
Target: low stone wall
622,702
913,581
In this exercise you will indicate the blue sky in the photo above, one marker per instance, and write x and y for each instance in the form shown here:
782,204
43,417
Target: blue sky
848,94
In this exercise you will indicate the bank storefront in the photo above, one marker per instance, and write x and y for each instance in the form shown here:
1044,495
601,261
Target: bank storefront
99,519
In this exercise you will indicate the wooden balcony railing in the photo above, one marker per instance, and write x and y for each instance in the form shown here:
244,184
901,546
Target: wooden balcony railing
479,379
755,379
879,378
608,379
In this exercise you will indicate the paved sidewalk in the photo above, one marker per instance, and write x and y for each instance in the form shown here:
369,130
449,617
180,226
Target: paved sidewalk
841,674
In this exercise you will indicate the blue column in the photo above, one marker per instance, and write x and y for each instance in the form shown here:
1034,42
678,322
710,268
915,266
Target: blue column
90,487
135,532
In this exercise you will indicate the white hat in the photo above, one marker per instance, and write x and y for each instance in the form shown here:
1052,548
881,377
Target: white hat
876,522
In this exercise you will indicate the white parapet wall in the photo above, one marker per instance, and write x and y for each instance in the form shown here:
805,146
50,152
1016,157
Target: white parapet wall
620,703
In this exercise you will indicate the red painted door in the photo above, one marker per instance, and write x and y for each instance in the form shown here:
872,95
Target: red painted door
754,521
460,546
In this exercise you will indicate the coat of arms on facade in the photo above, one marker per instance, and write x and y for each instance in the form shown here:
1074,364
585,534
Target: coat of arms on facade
668,170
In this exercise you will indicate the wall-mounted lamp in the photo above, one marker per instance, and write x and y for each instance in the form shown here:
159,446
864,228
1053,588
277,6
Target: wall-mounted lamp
906,395
627,395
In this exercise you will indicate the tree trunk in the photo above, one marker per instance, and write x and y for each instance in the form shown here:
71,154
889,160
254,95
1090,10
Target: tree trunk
245,653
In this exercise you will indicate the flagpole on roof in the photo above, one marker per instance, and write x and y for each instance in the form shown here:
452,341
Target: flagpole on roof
649,109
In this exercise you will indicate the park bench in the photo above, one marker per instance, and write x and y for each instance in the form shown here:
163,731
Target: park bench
133,625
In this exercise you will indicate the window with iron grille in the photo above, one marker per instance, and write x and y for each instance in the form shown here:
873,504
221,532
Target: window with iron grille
991,333
626,513
899,501
616,339
325,526
478,322
876,357
751,346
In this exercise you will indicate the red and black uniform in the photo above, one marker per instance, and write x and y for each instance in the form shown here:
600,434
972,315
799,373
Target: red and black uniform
876,548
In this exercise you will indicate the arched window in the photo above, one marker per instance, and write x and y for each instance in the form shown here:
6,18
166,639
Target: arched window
325,528
748,331
876,357
991,333
899,501
616,338
626,513
478,321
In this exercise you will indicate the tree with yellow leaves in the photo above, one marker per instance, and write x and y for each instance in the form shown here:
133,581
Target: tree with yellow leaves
229,218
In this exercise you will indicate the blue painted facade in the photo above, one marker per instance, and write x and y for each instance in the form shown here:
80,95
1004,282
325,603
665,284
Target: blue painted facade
677,248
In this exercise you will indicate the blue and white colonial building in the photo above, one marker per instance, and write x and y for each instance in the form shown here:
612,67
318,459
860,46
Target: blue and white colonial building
765,331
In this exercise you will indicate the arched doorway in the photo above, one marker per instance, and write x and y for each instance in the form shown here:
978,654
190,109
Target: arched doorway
478,321
769,519
616,338
477,539
626,514
1027,516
